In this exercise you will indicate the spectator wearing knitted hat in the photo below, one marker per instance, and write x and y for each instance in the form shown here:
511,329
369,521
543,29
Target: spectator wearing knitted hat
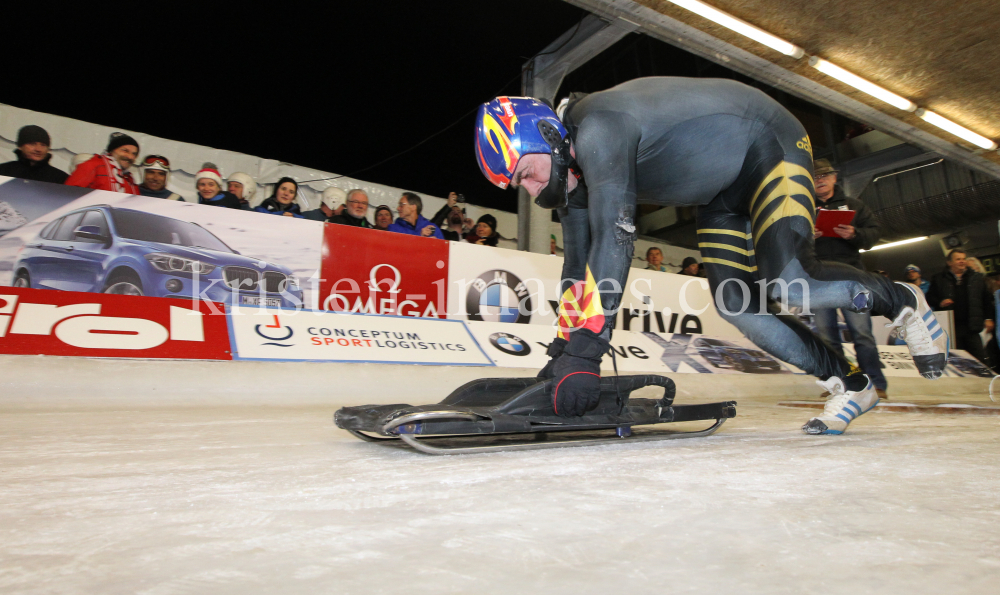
33,157
282,200
243,187
208,182
689,267
485,233
109,170
155,175
383,217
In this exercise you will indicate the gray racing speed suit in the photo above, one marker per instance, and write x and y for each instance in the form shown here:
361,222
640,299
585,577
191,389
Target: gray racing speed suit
746,163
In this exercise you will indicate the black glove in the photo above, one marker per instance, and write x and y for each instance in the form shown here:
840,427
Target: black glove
576,387
554,351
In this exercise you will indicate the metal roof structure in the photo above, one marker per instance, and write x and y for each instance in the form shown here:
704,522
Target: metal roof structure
936,55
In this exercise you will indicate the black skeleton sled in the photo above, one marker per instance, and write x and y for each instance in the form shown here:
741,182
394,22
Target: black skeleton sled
503,414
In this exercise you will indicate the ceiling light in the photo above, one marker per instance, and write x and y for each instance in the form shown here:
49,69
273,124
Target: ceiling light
861,84
742,27
894,244
959,131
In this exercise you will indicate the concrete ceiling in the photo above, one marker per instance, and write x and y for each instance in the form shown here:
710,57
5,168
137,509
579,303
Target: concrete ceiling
940,54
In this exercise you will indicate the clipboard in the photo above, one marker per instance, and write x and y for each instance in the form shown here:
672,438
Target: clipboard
827,219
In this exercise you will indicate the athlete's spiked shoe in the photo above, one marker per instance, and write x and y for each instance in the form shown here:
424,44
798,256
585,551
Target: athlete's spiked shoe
928,343
843,406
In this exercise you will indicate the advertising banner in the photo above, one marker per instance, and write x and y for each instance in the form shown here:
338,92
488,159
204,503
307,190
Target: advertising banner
307,335
76,239
524,346
490,285
36,322
377,272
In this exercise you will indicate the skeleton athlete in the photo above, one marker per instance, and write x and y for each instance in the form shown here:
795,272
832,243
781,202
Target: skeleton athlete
746,163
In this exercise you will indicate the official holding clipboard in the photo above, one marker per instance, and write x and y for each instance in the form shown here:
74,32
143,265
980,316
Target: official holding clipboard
843,227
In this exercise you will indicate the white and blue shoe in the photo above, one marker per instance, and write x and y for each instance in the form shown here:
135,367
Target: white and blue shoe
843,406
927,341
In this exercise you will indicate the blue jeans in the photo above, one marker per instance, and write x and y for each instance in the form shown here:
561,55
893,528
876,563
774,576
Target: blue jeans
860,325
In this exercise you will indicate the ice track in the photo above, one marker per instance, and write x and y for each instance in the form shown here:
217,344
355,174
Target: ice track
153,478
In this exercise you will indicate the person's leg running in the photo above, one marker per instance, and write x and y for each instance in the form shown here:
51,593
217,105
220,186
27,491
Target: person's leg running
776,198
729,257
860,325
781,210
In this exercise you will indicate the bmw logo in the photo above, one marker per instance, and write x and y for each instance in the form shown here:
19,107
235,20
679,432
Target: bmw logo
499,296
510,344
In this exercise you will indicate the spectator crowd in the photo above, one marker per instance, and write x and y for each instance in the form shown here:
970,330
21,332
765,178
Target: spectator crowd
961,286
112,170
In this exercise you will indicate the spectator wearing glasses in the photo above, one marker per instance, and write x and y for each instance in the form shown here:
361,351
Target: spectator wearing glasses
33,157
355,210
243,187
155,175
383,217
410,221
109,170
485,233
654,256
208,182
282,200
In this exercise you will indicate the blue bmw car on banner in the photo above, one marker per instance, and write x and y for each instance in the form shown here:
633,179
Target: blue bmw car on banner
113,250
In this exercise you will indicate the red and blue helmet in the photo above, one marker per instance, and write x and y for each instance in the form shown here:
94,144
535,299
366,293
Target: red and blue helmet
509,127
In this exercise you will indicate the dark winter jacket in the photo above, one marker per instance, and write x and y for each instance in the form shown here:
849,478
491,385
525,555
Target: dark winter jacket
223,199
164,193
441,220
346,219
274,207
975,306
403,226
27,169
865,226
441,217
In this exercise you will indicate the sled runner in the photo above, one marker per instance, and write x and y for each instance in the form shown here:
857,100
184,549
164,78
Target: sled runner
504,414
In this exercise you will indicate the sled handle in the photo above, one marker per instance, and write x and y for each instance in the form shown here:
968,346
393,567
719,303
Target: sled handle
627,384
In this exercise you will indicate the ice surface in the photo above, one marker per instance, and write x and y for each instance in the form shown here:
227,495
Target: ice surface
154,495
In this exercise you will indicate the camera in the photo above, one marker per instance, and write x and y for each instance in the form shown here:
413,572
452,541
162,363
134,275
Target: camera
460,198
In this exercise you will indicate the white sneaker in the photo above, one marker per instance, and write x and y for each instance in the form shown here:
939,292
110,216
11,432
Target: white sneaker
928,343
842,407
